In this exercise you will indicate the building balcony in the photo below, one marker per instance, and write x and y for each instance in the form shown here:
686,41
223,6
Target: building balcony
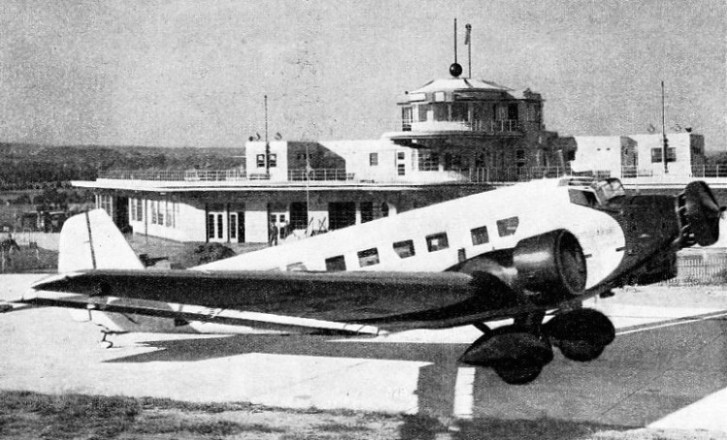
507,126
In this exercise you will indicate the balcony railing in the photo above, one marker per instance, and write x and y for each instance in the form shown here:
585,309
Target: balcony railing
487,127
320,174
631,172
473,175
515,174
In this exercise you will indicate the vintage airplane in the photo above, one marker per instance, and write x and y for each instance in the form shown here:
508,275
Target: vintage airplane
531,252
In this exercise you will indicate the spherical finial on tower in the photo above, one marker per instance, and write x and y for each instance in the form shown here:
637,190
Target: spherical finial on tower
455,70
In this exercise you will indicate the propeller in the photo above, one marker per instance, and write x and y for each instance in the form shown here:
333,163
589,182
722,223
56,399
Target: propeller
702,213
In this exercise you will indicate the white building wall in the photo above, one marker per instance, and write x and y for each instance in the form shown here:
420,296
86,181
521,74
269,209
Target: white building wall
279,148
256,221
191,222
357,155
187,223
681,142
595,153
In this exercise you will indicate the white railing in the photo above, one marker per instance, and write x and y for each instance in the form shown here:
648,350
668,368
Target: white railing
515,174
182,175
632,172
213,175
319,174
489,127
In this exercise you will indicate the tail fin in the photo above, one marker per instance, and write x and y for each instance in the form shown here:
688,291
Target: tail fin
92,241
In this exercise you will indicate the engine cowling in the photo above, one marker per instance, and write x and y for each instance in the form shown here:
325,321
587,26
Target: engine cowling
700,215
551,264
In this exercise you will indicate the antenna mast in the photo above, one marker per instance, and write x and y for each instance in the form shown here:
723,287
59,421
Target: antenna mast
267,144
468,42
664,141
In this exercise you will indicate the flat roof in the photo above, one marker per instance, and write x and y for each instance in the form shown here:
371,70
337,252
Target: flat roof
258,186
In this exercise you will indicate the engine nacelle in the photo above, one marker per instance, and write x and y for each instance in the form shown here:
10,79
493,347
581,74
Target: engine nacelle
551,264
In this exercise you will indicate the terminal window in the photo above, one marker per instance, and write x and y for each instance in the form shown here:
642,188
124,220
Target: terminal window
437,242
657,155
373,159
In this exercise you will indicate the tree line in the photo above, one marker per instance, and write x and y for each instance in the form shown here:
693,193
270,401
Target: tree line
31,167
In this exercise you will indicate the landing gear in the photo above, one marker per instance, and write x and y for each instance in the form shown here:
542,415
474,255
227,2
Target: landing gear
517,353
581,335
518,375
581,351
105,343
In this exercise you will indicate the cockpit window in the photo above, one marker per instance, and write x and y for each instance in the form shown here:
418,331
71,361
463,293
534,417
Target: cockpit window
583,198
610,189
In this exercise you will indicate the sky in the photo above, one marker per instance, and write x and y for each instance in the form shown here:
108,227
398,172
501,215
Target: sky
194,73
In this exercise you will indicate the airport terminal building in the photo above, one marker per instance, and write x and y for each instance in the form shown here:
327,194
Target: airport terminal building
457,136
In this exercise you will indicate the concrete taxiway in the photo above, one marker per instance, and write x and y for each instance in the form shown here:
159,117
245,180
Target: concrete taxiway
667,368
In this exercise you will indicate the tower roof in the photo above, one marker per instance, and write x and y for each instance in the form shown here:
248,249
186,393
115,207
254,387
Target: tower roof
454,84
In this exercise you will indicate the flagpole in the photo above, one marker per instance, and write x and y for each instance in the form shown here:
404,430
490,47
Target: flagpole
455,41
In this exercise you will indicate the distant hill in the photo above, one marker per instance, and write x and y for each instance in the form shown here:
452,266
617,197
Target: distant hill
28,165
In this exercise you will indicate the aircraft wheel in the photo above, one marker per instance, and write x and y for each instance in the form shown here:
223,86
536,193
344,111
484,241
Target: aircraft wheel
580,351
519,375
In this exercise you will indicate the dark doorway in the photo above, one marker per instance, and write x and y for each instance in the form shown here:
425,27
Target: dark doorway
241,226
341,214
121,213
299,215
367,211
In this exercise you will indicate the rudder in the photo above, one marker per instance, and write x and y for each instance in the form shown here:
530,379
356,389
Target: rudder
92,241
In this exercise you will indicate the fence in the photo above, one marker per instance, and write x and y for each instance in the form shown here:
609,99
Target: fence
707,268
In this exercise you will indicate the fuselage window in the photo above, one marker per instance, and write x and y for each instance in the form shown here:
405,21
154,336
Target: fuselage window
437,242
507,226
297,267
369,257
480,236
404,249
336,264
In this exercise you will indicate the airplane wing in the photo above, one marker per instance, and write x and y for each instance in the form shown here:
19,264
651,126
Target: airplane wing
345,302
